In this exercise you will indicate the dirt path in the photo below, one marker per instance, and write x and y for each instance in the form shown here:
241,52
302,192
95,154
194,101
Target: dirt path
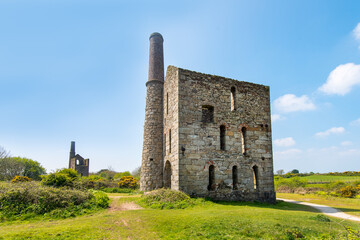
115,206
325,209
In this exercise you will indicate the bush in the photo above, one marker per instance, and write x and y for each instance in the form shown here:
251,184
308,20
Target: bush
17,179
290,185
168,199
24,200
94,182
348,192
320,218
60,178
117,190
101,199
128,182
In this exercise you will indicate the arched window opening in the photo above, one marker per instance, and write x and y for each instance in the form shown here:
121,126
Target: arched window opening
207,114
211,186
243,138
256,176
170,141
167,103
167,175
77,162
235,177
222,137
233,99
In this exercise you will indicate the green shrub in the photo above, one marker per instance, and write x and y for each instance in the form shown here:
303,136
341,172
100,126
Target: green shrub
320,218
17,179
101,199
168,199
26,200
60,178
335,186
128,182
117,190
290,185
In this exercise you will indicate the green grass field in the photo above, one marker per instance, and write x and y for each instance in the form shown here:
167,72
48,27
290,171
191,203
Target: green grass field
221,220
348,205
331,178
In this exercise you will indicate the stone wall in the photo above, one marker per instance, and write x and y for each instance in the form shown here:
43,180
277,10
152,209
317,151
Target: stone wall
171,122
198,141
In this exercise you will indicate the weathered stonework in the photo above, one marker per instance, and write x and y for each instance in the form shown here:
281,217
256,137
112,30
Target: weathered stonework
152,156
216,137
77,162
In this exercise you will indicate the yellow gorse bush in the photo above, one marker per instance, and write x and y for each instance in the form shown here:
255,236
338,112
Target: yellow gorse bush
128,182
17,179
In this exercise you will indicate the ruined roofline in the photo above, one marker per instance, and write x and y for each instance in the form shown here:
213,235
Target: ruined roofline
216,76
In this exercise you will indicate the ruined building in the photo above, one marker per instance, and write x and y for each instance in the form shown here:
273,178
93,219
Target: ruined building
77,162
206,135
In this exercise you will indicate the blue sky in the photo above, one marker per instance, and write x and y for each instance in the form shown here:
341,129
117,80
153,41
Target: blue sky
76,71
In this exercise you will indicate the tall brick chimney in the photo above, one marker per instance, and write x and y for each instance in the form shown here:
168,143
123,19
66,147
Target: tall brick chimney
152,156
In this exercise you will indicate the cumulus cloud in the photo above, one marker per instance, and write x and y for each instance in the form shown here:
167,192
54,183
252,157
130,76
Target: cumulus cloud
334,130
355,122
284,142
356,32
342,79
292,103
276,117
346,143
289,152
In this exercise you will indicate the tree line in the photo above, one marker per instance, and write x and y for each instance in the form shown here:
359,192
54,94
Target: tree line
18,166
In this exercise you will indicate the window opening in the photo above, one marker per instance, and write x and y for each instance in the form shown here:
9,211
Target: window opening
167,103
167,175
222,137
243,138
256,176
207,114
211,186
233,99
235,177
170,141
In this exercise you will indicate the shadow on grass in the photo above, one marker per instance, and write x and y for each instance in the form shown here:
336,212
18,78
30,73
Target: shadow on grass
280,205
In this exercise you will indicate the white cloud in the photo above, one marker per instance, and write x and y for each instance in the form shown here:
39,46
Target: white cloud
346,143
276,117
289,152
356,32
355,122
334,130
284,142
292,103
342,79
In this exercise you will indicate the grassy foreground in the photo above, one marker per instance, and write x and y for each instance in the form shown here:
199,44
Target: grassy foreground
208,221
347,205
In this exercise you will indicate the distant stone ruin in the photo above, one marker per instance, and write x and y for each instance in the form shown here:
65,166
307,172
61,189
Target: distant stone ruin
77,162
206,135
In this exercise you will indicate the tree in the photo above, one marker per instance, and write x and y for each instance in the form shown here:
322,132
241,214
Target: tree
280,172
294,171
32,169
136,173
122,174
8,167
17,166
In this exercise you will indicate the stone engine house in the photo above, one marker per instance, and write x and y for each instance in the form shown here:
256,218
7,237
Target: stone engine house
206,135
77,162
